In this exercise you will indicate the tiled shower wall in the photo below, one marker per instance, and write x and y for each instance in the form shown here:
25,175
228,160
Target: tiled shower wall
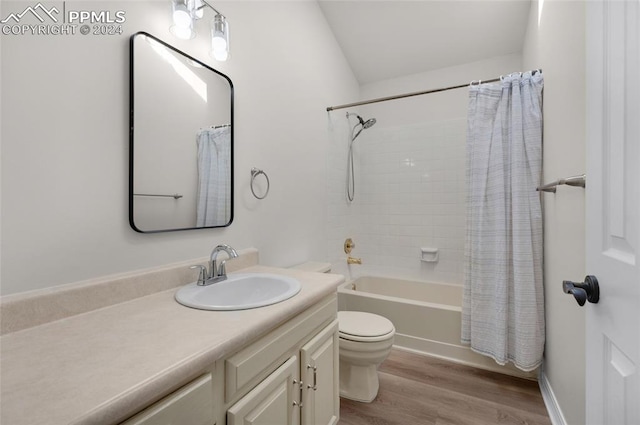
409,194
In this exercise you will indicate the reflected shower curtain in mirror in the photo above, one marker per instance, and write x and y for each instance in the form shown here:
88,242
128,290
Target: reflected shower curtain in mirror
214,177
503,302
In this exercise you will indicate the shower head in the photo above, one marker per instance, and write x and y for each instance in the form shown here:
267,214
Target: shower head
365,124
368,123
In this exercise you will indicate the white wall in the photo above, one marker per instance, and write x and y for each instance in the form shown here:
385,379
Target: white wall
65,142
557,46
410,175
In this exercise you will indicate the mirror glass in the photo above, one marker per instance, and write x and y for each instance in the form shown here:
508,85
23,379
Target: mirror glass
181,140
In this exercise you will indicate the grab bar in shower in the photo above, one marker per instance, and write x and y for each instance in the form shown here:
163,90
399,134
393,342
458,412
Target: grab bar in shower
578,181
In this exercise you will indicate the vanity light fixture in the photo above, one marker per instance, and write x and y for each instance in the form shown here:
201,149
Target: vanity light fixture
186,12
220,38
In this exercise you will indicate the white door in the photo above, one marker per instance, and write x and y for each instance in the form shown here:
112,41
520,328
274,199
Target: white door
613,211
321,392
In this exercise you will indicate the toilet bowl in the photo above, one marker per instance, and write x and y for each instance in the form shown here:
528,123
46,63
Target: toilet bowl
365,340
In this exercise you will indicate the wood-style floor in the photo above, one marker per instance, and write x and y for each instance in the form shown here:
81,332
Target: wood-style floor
419,390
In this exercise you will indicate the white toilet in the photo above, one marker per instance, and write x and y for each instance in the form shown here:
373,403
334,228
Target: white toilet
365,340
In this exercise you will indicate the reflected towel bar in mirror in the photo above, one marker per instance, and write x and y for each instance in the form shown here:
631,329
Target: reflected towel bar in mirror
579,181
174,196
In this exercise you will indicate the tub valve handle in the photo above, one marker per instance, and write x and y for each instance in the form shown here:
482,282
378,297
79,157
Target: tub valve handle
349,245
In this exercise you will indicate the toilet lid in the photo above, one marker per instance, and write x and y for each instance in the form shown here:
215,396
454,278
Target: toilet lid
361,324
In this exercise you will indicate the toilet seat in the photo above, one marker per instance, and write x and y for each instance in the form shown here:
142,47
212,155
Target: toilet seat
364,327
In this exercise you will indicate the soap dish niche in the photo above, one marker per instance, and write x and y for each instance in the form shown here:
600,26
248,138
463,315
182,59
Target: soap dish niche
429,255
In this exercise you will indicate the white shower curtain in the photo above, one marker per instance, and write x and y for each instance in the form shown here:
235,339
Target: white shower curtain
214,177
503,302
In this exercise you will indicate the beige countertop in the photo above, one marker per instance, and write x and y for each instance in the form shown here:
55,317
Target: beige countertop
102,366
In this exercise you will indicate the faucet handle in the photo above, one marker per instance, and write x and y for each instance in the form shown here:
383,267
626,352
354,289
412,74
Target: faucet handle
222,268
202,276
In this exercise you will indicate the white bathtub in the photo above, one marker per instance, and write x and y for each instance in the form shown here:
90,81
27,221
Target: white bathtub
427,317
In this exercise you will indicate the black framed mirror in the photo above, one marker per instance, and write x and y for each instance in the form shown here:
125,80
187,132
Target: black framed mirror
180,140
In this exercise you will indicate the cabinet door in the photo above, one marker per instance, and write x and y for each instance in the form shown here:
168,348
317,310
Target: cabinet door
192,404
319,368
275,401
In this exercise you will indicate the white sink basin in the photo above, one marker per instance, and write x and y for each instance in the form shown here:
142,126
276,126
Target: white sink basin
239,292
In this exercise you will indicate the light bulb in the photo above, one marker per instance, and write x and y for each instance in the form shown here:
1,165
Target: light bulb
183,33
218,42
220,55
181,14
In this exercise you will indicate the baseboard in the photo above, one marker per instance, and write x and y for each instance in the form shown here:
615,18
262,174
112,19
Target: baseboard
550,401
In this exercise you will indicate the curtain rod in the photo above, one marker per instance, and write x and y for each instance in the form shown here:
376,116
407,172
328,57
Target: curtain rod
402,96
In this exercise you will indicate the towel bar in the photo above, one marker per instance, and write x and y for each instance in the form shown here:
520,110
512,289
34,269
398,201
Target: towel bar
174,196
579,181
255,172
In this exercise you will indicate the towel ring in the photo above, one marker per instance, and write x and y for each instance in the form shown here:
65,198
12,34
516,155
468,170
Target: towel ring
255,172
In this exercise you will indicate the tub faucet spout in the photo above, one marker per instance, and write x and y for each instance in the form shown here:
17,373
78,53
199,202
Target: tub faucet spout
220,273
352,260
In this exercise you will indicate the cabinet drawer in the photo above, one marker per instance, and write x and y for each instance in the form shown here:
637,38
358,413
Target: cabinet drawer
261,356
192,404
273,401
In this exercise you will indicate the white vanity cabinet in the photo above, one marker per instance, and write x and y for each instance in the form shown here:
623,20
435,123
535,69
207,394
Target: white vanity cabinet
284,399
288,377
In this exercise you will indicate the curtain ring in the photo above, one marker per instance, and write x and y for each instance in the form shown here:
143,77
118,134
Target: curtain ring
255,172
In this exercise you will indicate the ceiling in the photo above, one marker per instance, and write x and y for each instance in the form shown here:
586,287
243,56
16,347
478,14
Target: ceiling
388,39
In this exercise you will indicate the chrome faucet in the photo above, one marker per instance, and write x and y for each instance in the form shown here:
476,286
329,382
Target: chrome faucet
219,274
215,275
